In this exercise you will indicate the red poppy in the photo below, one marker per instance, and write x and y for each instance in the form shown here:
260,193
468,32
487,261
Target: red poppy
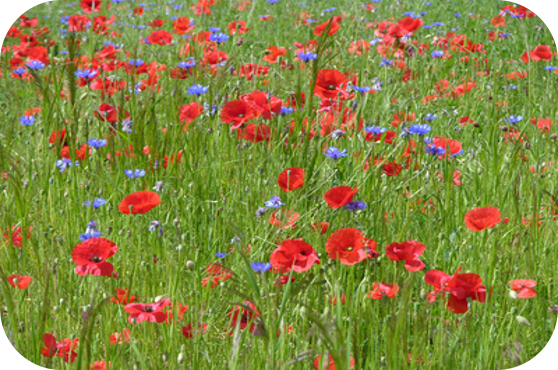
293,254
460,90
244,316
99,365
78,23
291,179
330,364
182,25
19,281
348,246
379,290
482,218
237,113
89,6
541,52
151,312
321,228
332,24
284,219
91,255
339,196
331,84
524,288
188,332
543,124
402,117
65,348
408,251
16,238
189,112
265,104
459,286
237,27
156,23
140,202
109,113
274,52
117,338
392,169
160,37
254,133
122,297
451,146
283,279
217,273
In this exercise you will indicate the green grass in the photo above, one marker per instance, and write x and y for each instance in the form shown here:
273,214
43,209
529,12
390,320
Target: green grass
213,193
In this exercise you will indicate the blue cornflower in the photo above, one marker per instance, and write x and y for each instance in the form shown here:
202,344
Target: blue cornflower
134,174
430,117
27,120
374,130
273,1
136,62
286,110
97,143
260,212
437,24
457,15
334,153
386,63
117,1
188,64
518,15
362,89
197,89
504,34
510,86
375,41
336,134
219,37
64,19
512,120
546,68
435,150
64,163
355,205
90,232
221,255
437,53
97,202
307,56
35,64
260,266
153,225
19,71
419,129
274,202
214,29
86,73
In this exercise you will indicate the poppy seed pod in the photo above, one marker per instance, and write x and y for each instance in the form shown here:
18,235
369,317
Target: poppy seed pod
190,265
522,321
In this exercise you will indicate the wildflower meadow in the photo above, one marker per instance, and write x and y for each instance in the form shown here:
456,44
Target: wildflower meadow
278,184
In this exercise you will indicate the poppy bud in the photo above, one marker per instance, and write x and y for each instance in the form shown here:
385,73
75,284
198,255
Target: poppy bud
476,124
528,145
164,357
158,299
423,294
522,321
302,312
190,265
239,42
180,358
553,136
512,294
55,308
504,128
176,221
